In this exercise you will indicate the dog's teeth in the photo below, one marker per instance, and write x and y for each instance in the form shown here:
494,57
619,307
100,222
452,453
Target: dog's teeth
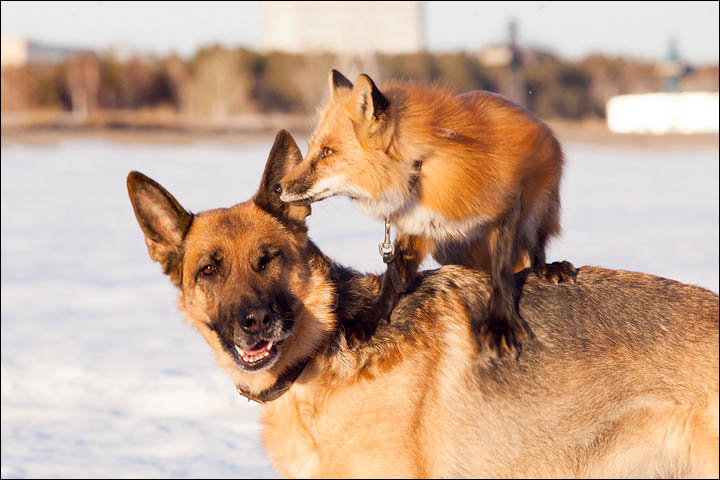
252,358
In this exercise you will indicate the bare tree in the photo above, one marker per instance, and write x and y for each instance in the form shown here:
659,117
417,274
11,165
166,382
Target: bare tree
83,80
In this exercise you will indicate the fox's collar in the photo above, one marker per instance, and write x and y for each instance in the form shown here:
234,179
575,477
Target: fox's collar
282,384
417,165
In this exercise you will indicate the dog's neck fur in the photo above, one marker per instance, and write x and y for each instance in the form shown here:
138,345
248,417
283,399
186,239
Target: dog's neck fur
295,426
345,354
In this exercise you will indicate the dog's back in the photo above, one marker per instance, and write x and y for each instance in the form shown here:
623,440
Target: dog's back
621,380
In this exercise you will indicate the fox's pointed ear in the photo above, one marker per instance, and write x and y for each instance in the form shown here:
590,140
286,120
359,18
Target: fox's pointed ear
284,155
369,113
163,221
338,82
370,103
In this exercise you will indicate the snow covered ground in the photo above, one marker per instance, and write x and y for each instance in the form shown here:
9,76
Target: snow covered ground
101,377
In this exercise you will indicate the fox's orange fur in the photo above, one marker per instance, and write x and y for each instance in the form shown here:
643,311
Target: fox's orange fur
488,175
500,151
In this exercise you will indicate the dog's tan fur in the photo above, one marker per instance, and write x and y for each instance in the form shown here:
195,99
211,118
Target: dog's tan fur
619,380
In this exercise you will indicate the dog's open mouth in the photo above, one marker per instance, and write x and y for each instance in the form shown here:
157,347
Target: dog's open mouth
258,356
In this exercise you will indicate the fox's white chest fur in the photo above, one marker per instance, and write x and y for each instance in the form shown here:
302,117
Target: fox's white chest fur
416,219
411,217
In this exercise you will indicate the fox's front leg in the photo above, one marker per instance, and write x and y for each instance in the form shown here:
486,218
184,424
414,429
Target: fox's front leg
555,272
503,330
409,253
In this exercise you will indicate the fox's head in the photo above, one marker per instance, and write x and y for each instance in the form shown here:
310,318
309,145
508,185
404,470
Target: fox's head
351,151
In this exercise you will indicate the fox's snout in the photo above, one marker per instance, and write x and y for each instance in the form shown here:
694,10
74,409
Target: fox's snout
296,185
291,195
295,198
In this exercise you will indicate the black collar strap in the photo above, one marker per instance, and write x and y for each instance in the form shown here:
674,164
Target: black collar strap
282,385
417,165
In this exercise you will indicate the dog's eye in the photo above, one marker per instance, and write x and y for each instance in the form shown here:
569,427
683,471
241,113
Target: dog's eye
326,152
209,270
264,260
267,256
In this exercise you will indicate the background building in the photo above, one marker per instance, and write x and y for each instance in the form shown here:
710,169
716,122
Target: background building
354,28
18,52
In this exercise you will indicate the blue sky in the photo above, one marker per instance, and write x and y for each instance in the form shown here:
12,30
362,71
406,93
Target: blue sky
572,29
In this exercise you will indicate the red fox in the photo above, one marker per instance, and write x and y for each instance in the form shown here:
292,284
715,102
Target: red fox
472,179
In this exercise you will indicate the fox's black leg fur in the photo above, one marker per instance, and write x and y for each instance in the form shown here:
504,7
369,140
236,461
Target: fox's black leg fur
409,253
555,272
503,329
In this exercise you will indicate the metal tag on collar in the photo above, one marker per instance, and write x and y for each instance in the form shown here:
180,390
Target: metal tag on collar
387,249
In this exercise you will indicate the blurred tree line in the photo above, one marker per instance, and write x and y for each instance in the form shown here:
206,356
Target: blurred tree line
219,82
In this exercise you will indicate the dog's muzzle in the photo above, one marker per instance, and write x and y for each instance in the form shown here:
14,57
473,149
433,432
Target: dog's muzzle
257,332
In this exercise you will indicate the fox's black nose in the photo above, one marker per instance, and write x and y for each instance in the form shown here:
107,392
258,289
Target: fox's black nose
254,319
278,188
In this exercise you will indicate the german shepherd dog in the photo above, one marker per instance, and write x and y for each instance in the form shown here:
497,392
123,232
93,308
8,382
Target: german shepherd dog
619,380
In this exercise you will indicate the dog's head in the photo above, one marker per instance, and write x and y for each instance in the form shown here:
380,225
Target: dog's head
245,279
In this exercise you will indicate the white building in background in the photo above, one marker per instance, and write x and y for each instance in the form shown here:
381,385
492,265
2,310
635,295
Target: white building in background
659,113
348,28
13,52
18,52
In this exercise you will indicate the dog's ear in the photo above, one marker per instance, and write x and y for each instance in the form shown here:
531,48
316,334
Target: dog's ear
284,155
163,221
370,114
337,83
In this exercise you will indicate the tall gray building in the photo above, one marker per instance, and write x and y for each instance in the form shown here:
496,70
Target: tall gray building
346,28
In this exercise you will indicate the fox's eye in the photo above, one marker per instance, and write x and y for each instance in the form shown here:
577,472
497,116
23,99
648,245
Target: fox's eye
209,270
326,152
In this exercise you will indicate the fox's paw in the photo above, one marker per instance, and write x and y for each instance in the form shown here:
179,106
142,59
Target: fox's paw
503,333
366,323
360,332
557,272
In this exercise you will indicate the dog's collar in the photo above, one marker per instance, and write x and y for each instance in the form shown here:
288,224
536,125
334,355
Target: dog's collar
282,385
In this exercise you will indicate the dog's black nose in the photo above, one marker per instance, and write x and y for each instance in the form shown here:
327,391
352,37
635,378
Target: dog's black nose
278,188
255,319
